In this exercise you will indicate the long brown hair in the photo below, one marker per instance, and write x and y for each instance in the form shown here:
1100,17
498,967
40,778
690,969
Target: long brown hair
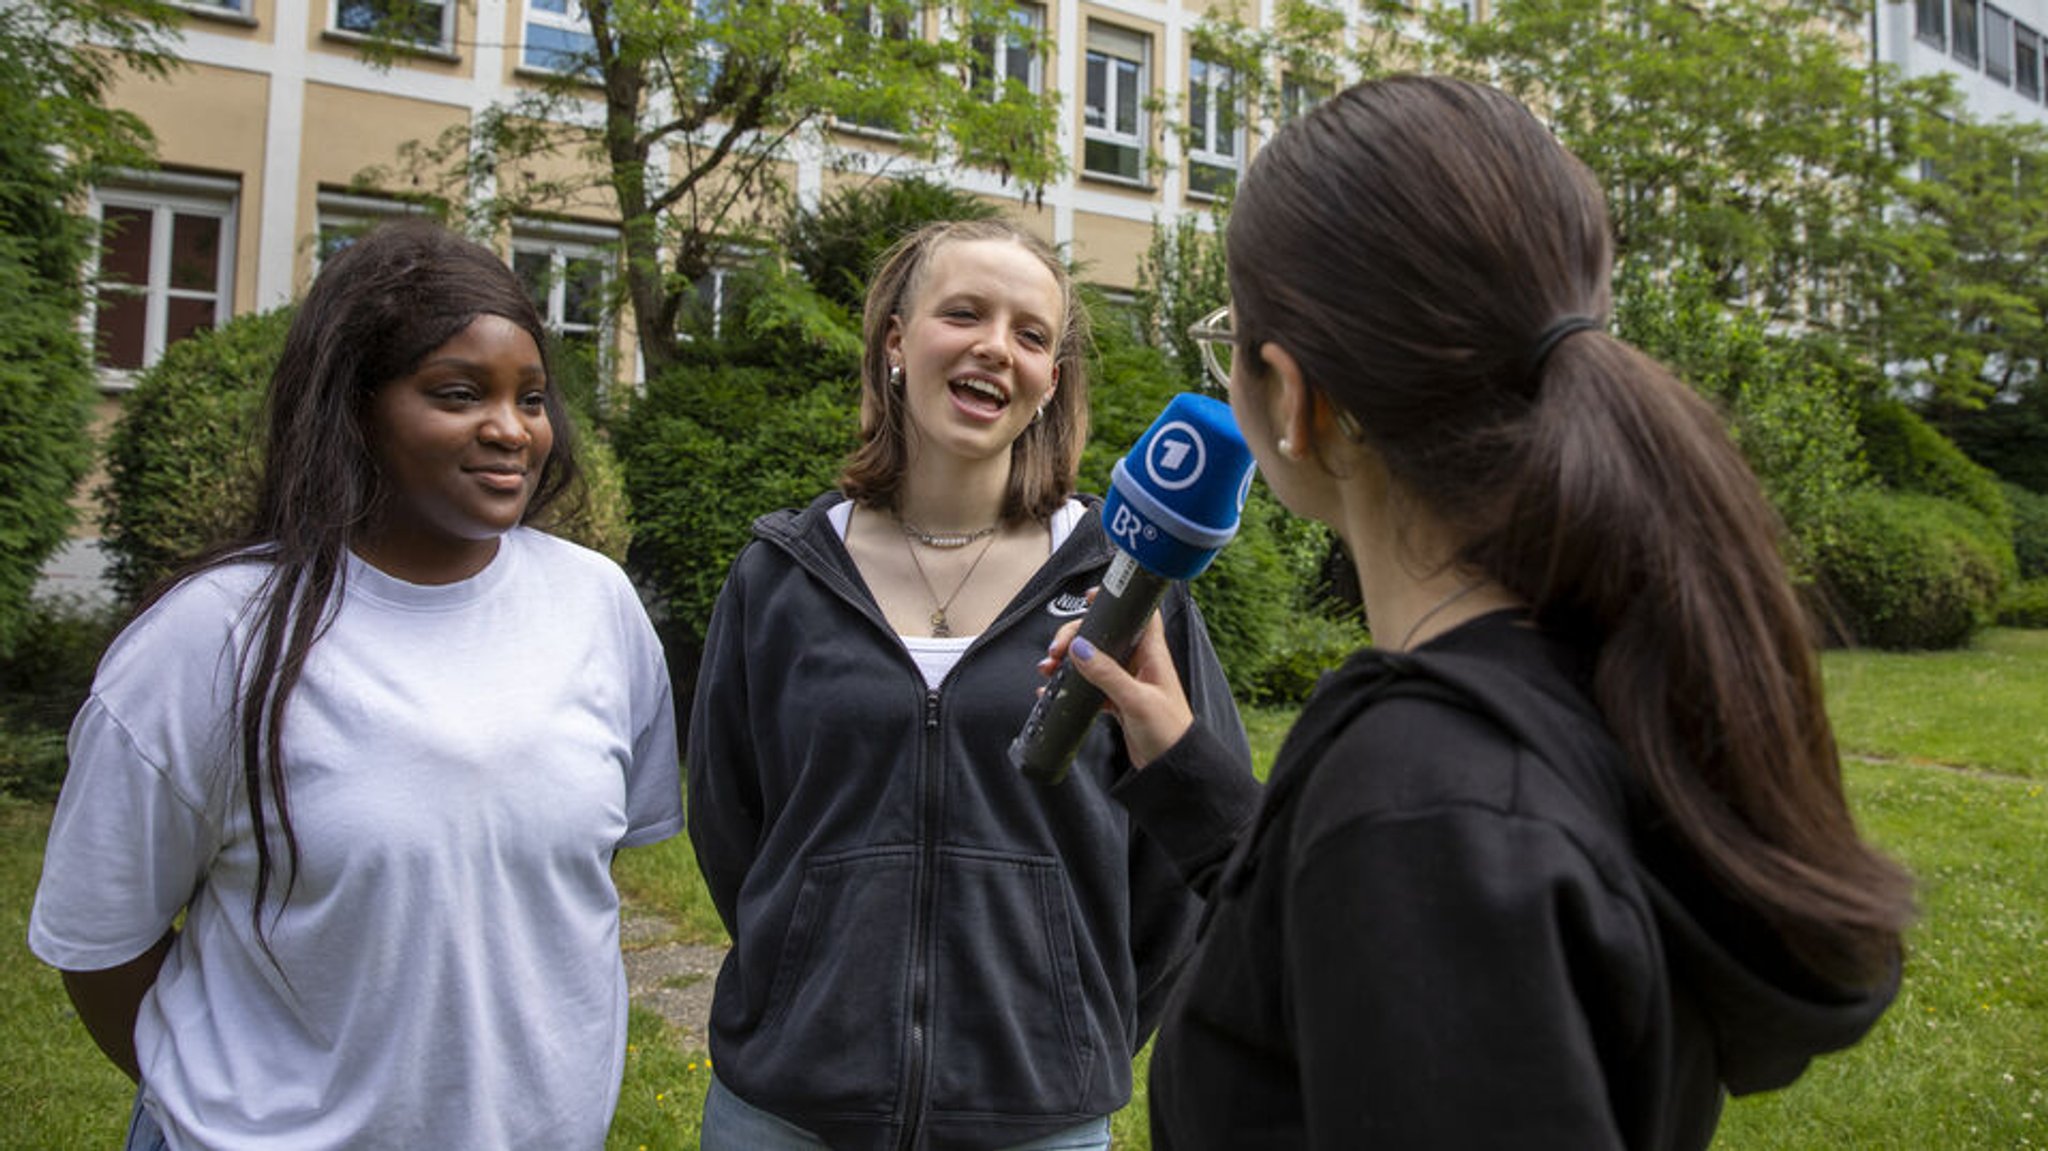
1410,243
1045,458
372,315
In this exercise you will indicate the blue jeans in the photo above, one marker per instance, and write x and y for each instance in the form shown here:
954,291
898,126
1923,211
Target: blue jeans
733,1124
143,1133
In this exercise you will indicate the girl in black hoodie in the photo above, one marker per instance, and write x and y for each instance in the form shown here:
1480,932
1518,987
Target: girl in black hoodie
1566,857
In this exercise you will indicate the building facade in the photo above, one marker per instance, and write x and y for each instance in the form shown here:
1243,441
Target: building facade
266,132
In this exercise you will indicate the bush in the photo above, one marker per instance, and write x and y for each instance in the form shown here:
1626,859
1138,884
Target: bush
2029,530
1908,571
2025,605
1791,406
183,460
705,451
42,683
46,394
1303,649
836,246
1907,453
2009,436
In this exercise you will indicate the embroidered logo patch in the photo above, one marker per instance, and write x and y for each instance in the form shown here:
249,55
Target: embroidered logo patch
1067,605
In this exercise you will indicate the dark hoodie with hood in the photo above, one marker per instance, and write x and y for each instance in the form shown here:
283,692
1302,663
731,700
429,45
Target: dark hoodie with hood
1457,923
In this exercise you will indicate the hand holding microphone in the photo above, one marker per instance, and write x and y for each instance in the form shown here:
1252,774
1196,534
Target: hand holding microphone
1173,502
1144,692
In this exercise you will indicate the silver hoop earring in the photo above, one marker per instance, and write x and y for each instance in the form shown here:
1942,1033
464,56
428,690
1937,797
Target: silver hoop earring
1039,414
896,376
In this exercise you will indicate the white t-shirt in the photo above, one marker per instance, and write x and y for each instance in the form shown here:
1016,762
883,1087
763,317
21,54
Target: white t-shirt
462,762
936,655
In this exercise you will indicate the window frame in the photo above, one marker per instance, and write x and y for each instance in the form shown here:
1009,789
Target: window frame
993,53
1215,79
1107,108
573,22
1998,43
165,196
443,45
1930,22
1966,30
564,243
334,210
875,25
2026,50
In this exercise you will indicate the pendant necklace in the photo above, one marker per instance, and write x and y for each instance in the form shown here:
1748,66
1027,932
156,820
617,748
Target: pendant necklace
1441,604
940,628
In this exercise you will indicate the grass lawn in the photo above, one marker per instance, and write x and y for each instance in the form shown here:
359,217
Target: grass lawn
1960,1062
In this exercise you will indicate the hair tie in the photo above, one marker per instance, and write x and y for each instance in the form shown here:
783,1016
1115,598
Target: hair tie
1553,336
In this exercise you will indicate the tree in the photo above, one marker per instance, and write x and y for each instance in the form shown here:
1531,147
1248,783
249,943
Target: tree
56,134
1960,308
680,117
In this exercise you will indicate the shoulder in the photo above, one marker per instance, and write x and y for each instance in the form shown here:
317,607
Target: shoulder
212,603
1423,753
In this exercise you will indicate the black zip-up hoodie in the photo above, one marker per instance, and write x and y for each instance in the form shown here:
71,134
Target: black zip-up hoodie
1457,924
931,951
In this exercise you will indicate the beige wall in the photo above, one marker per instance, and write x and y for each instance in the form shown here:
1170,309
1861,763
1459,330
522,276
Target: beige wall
210,120
348,132
1110,248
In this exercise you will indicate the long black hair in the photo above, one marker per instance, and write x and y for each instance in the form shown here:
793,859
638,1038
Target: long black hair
1438,265
375,311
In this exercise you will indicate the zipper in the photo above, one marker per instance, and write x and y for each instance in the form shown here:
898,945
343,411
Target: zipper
921,934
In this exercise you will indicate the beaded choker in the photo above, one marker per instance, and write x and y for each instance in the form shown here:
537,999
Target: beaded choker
945,540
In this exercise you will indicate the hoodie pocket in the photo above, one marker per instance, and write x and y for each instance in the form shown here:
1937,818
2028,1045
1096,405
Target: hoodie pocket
838,1009
1010,1030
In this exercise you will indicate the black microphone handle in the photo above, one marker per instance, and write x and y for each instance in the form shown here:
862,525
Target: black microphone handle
1059,721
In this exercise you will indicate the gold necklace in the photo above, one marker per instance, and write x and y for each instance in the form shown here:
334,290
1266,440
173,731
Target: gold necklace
940,628
944,540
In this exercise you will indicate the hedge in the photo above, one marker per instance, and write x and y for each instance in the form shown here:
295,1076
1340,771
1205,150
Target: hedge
1908,571
184,458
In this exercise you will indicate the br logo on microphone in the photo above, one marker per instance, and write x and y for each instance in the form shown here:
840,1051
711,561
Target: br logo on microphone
1130,528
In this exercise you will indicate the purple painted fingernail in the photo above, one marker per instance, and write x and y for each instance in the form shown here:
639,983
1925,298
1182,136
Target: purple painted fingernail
1082,649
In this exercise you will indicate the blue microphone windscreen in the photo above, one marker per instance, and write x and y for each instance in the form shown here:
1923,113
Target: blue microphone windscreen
1175,499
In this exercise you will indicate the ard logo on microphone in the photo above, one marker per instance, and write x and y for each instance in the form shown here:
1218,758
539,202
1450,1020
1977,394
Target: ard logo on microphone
1177,456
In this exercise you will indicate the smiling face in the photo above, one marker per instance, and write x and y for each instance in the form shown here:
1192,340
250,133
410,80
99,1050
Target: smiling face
977,340
459,443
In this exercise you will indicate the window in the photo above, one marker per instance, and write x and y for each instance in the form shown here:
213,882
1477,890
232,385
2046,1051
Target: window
423,22
165,262
558,38
1997,45
1215,128
1963,31
567,269
716,298
1113,115
236,7
875,22
342,217
2026,61
1014,55
1930,21
1297,96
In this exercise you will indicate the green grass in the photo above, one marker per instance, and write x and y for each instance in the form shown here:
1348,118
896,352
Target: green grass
1959,1063
1984,708
56,1091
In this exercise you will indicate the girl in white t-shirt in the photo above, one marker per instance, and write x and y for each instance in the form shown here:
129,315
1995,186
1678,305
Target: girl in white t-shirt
378,751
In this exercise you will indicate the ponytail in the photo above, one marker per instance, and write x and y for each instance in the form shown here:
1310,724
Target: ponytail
1629,518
